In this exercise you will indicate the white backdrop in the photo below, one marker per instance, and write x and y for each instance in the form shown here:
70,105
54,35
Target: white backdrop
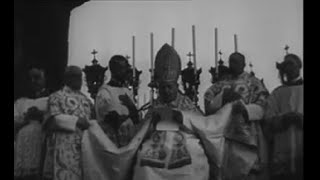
264,27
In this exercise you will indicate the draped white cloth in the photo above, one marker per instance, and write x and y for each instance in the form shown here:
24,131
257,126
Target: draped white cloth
102,160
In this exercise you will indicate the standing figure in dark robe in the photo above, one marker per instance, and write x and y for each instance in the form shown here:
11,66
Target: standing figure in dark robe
284,122
191,82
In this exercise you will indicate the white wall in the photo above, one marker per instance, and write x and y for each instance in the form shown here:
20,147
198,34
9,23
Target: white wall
264,27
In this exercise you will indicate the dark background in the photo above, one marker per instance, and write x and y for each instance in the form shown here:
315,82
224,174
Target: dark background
41,40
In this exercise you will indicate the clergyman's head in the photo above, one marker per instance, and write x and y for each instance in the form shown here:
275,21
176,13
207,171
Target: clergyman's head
37,79
290,67
73,77
166,73
119,67
168,91
237,63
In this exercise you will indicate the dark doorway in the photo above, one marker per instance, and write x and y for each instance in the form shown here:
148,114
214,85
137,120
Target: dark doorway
41,40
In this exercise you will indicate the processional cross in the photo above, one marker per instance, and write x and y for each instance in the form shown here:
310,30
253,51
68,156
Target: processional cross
94,52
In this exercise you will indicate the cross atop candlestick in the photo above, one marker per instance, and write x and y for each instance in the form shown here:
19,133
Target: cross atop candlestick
94,52
189,55
286,48
95,75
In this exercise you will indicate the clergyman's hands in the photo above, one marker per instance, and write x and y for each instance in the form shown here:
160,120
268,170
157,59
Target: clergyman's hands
133,111
114,119
126,131
239,108
126,101
33,113
83,123
177,116
229,96
292,118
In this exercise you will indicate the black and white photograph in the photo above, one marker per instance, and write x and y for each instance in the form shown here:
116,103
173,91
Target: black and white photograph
158,90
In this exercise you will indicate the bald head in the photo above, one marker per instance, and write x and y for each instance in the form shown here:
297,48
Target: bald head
237,63
292,59
290,66
73,77
72,71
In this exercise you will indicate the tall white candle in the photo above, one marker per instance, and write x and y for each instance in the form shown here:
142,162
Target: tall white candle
133,57
216,49
151,68
151,55
194,48
172,37
235,43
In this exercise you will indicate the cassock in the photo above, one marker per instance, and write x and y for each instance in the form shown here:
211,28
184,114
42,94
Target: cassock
287,144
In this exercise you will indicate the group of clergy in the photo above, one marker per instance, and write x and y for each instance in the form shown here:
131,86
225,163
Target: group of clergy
246,133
